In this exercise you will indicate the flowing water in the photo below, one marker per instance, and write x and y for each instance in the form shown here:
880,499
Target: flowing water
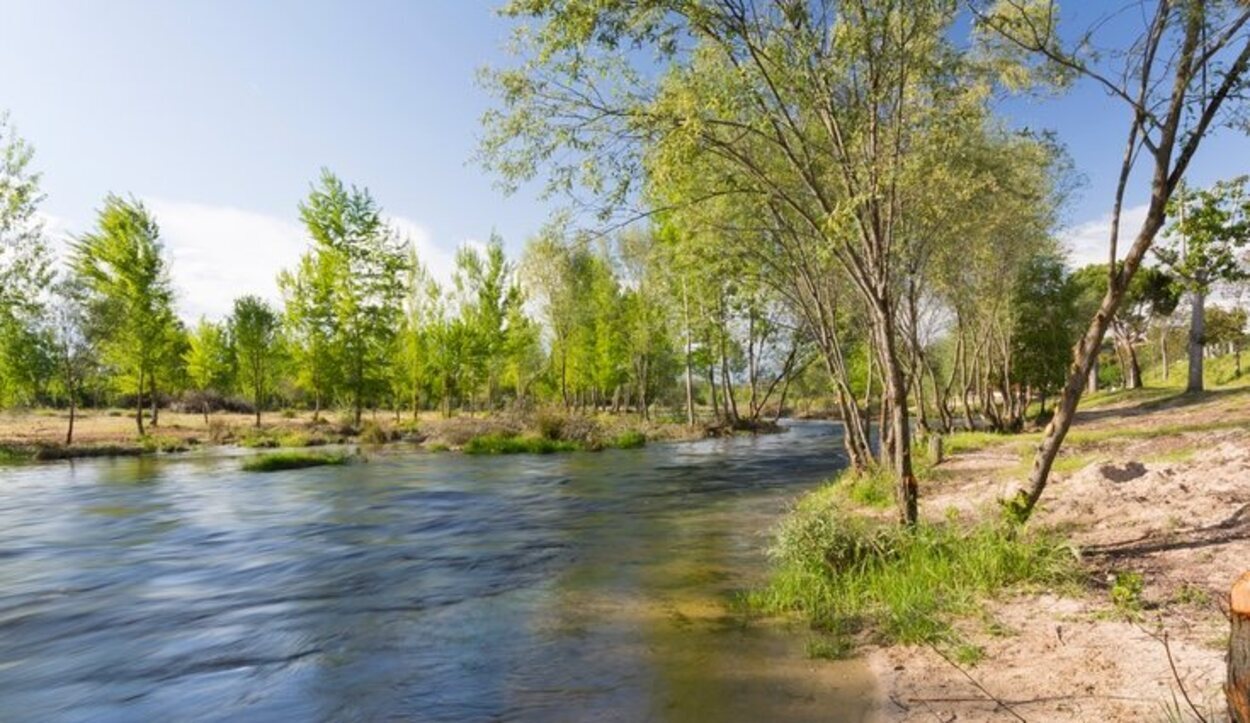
418,586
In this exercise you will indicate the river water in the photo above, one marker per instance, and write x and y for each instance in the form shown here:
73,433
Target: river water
429,587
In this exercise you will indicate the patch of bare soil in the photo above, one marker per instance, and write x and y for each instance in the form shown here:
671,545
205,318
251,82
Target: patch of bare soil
1174,510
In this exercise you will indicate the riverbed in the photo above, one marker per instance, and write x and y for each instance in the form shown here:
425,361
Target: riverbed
416,586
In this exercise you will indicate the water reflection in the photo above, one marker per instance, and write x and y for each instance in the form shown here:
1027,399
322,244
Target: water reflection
428,587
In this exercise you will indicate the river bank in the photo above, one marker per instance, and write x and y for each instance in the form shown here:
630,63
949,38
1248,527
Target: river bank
1154,499
38,435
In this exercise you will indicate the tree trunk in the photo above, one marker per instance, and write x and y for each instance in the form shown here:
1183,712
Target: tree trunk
1163,350
139,404
73,407
156,408
1092,385
1134,369
685,300
1197,323
1237,689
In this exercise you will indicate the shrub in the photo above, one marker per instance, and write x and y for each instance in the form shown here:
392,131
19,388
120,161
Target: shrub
275,461
848,574
550,425
373,433
1126,593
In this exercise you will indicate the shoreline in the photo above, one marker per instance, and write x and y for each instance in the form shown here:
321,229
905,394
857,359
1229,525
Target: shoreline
34,437
1155,503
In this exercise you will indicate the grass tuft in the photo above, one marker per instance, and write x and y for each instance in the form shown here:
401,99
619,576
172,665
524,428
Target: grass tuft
509,444
632,439
849,575
276,461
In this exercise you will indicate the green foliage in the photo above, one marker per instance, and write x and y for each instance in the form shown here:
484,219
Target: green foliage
122,271
254,331
277,461
871,488
510,444
632,439
1209,229
1126,592
372,433
849,575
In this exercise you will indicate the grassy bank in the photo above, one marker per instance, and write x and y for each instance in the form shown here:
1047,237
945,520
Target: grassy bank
291,459
504,443
856,576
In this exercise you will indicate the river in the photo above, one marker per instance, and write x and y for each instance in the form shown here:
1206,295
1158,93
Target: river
417,586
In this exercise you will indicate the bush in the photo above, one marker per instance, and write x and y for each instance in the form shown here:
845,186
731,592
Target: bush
152,443
275,461
849,575
550,425
509,444
373,433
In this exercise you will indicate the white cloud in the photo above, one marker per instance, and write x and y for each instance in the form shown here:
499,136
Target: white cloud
1087,242
218,253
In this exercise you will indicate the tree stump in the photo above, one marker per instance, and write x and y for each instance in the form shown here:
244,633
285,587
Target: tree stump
935,448
1238,687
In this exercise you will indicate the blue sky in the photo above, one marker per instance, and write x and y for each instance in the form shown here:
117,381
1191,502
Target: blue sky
219,114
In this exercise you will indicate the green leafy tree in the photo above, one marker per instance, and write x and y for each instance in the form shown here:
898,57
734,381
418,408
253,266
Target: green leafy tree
209,361
254,331
1044,306
1227,328
309,322
122,270
1202,247
346,225
25,272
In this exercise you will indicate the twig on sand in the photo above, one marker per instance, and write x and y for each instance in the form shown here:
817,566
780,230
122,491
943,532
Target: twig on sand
997,701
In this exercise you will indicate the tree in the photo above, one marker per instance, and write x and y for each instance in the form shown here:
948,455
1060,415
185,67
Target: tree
309,322
1174,80
812,108
254,331
485,282
1211,227
71,339
1227,328
366,261
210,361
1043,308
122,270
25,270
1150,295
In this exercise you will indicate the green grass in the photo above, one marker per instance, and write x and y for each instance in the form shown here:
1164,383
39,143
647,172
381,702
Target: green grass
632,439
958,442
12,454
508,444
874,488
275,461
850,576
258,440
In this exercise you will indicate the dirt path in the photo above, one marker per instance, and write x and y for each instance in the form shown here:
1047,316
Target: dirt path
1161,508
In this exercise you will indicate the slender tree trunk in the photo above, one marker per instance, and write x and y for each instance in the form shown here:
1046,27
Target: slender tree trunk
73,405
685,301
1163,350
1093,376
908,495
1134,368
156,407
1197,324
139,403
